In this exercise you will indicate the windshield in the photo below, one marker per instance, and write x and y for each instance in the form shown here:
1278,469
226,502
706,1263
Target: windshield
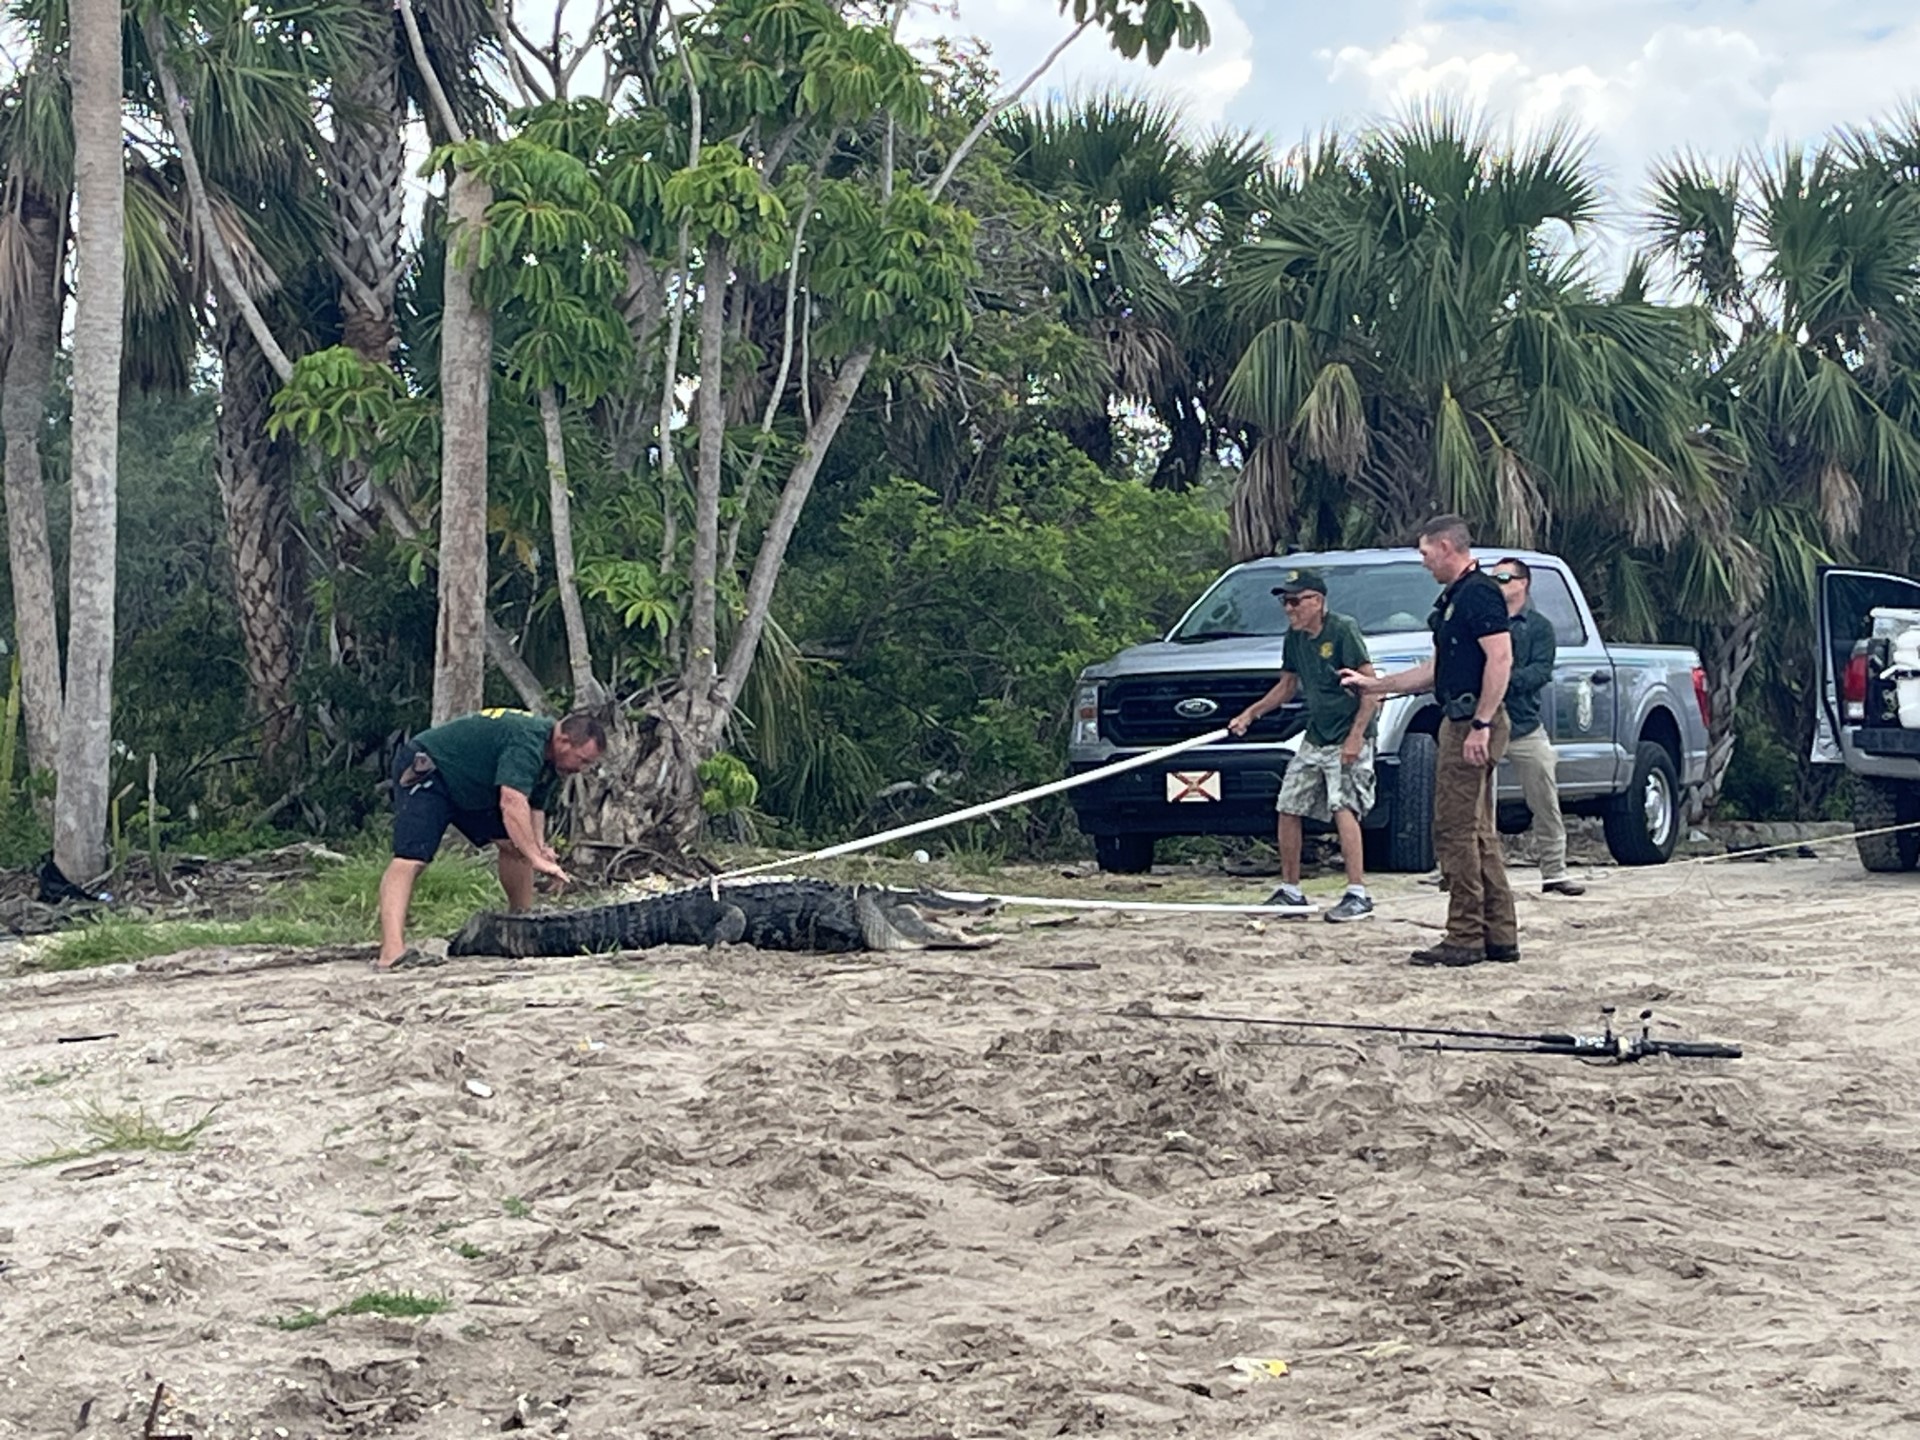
1392,596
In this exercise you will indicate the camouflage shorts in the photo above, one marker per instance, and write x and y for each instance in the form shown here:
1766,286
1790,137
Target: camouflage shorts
1317,784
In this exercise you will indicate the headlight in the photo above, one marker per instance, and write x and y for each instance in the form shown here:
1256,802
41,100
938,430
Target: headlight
1086,715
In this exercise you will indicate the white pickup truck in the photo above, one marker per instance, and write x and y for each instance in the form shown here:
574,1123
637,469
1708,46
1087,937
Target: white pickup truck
1629,721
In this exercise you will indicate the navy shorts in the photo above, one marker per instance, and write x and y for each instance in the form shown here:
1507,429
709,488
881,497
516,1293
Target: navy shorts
422,810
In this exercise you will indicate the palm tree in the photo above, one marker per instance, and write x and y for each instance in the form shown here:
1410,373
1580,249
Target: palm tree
1809,263
80,804
1428,340
36,145
1144,216
235,92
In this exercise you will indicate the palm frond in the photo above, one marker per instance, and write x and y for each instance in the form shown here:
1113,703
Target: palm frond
1330,425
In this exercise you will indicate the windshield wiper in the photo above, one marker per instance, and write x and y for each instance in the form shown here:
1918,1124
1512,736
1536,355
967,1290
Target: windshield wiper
1223,635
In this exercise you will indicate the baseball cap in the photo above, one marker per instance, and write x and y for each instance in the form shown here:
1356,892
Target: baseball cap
1296,581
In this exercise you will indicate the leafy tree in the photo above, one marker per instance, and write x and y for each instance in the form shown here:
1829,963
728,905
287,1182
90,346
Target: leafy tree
1813,383
1427,342
942,641
1146,218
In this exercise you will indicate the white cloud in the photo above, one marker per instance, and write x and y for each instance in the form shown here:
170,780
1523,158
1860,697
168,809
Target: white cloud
1646,80
1020,32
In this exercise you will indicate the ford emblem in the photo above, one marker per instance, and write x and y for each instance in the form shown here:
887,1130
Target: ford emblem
1197,707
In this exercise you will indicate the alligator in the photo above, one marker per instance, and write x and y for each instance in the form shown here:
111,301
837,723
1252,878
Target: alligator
773,914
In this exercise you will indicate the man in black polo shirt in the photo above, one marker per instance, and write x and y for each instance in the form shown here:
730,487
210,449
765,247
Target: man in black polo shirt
1472,661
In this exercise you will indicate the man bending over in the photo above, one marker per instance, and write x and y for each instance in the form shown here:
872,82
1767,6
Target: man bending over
491,776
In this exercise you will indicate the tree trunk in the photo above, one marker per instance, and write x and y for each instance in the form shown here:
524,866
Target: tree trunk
1092,435
255,475
23,417
366,191
786,515
80,804
646,797
1731,651
1179,467
587,690
466,372
366,183
500,649
703,612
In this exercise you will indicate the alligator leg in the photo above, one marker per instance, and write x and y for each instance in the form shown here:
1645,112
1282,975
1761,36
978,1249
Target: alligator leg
729,928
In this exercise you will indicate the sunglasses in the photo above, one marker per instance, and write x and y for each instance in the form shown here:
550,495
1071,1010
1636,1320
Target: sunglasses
1292,600
1504,577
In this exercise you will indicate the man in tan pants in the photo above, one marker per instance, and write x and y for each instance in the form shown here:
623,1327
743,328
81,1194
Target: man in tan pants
1472,658
1535,762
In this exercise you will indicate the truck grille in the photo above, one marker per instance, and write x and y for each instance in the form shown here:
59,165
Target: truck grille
1142,711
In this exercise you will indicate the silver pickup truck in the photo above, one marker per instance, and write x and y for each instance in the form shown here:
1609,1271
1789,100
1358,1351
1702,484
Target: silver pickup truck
1629,721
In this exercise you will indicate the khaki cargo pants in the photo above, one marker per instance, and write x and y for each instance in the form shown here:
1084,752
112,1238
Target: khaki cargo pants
1536,765
1479,900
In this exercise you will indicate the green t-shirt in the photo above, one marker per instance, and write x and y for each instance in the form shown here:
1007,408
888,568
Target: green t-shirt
1318,661
477,754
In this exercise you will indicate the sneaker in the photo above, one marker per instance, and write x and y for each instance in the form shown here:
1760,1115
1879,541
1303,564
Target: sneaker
1563,887
1351,907
1449,954
1289,895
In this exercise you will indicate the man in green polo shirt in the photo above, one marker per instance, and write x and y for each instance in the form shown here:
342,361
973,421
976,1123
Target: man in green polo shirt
1331,775
491,776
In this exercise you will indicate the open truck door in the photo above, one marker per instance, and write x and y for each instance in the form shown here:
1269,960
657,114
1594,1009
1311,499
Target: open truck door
1868,630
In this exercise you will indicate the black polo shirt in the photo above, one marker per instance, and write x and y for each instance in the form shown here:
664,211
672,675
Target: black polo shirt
1468,610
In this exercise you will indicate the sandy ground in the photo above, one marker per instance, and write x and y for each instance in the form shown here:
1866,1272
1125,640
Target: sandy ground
953,1194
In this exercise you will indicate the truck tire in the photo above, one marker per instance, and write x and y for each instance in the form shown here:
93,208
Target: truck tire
1408,835
1124,854
1643,822
1876,805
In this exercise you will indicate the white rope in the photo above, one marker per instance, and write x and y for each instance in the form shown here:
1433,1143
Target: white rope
1847,837
1134,762
974,812
1158,907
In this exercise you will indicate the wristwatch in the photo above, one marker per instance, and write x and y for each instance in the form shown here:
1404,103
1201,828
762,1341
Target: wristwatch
1479,724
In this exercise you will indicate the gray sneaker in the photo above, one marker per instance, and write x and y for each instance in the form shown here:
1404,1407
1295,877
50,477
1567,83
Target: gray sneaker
1351,907
1291,895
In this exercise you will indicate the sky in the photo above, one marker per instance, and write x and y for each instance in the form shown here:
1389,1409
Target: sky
1644,79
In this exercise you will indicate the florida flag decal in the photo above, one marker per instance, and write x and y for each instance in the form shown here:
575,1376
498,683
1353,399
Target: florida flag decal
1188,786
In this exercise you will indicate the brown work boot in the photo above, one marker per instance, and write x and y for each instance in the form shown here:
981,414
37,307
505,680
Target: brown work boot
1449,954
1563,887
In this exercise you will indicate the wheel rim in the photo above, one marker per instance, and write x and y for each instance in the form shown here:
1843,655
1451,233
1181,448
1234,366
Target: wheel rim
1658,803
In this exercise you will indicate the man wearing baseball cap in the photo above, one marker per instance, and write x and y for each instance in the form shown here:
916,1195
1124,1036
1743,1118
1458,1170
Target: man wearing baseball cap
1331,776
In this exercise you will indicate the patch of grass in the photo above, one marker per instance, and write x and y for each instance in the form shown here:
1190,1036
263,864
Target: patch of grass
397,1304
467,1250
114,940
515,1207
120,1130
336,905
